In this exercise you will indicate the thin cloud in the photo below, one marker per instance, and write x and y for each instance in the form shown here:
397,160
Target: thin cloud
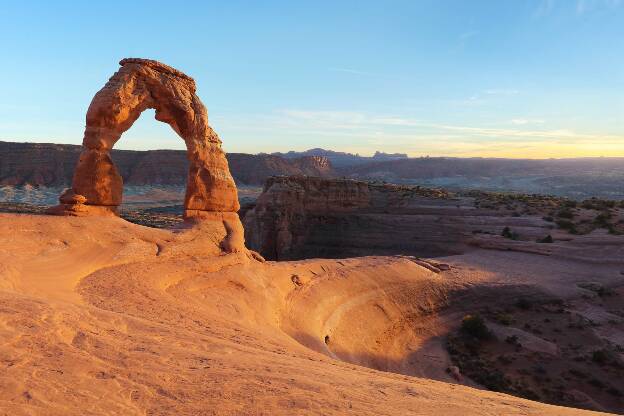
468,35
464,37
349,120
502,91
580,7
351,71
584,6
525,121
482,96
367,131
544,8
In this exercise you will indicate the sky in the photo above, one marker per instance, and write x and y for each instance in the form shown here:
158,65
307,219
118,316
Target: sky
490,78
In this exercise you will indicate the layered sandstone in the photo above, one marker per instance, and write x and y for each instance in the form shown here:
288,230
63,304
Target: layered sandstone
138,85
303,217
47,164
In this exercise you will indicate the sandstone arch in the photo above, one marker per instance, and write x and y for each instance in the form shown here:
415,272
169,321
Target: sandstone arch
138,85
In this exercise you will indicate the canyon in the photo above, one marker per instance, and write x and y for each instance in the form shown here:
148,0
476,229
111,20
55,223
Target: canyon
303,217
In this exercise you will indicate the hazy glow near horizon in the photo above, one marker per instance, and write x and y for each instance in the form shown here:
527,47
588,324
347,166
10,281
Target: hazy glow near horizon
534,78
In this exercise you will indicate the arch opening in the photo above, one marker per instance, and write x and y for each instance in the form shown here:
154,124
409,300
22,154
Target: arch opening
154,179
138,85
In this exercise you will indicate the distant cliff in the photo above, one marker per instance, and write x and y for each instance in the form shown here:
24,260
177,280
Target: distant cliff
305,217
53,165
343,159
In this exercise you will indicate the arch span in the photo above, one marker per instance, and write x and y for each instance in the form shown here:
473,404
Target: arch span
138,85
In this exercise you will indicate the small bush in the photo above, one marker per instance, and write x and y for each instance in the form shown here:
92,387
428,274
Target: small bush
600,357
548,239
578,373
565,213
512,339
507,233
475,326
505,359
523,303
567,225
596,383
602,219
503,319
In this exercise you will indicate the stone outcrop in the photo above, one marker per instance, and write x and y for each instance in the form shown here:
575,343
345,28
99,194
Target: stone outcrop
303,217
138,85
256,169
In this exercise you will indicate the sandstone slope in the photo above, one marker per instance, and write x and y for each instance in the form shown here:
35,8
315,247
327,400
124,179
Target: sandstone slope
100,316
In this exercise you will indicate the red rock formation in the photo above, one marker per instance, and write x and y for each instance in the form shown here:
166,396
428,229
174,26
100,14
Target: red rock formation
47,164
138,85
280,224
305,217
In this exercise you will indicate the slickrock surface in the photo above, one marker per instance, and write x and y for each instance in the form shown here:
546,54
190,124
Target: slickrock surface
100,316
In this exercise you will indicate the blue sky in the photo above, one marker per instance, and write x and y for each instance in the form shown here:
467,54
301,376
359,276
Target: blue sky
505,78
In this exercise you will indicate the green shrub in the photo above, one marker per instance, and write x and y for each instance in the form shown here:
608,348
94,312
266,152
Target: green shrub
600,357
567,225
523,303
565,213
512,339
596,383
507,233
475,326
503,319
602,219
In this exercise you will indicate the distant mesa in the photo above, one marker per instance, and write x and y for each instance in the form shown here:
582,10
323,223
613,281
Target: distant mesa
343,159
53,165
138,85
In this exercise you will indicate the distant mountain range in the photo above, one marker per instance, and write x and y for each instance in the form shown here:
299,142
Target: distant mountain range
53,165
342,159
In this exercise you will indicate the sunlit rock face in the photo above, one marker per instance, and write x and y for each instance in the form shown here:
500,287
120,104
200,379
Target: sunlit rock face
138,85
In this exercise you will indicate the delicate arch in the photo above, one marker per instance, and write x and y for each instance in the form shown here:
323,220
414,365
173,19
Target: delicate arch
138,85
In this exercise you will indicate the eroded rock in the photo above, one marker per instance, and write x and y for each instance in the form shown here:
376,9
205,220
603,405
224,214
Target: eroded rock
138,85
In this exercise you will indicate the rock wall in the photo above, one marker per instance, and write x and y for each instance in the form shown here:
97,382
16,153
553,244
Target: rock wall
303,217
47,164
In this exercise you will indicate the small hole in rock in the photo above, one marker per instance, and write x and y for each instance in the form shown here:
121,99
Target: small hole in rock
326,339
